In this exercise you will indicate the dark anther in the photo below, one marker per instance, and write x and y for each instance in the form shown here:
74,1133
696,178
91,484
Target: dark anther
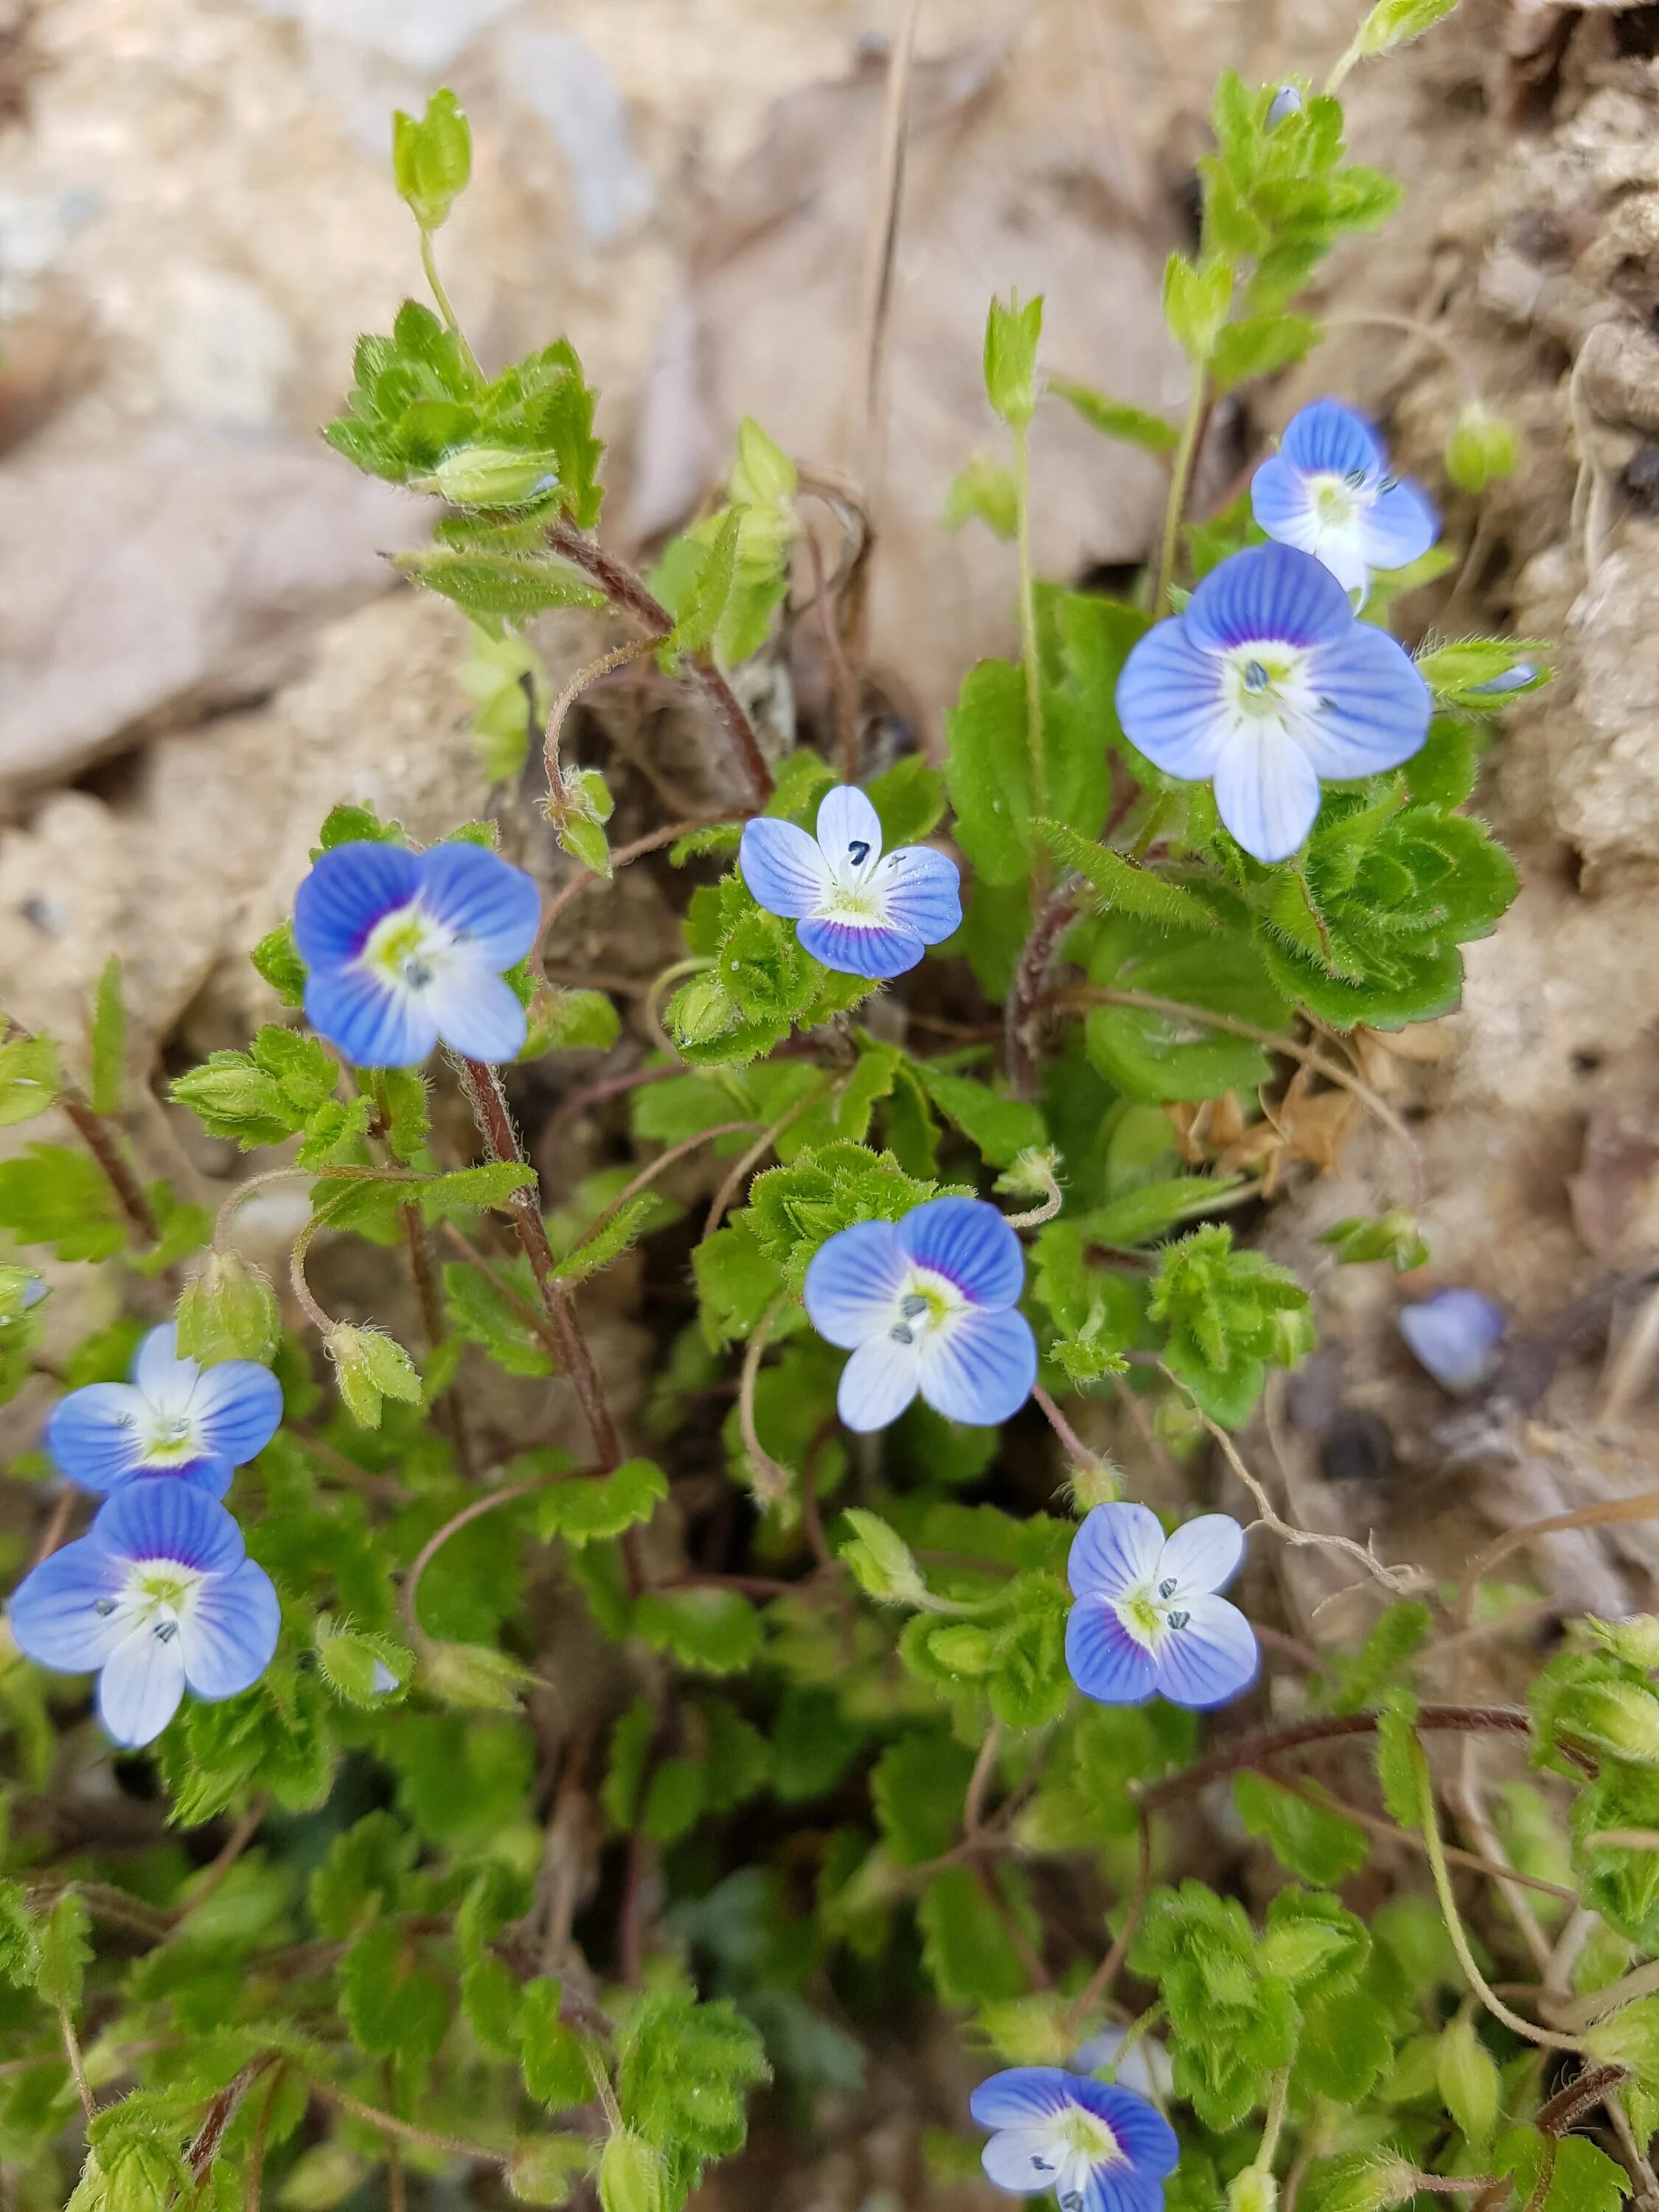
1179,1620
860,850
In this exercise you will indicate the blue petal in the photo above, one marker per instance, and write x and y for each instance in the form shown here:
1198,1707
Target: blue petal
1021,2159
159,1518
980,1368
363,1017
52,1610
1116,1549
1146,2137
847,821
347,892
878,1383
1267,594
165,1379
1281,501
921,891
1210,1660
783,868
1374,707
140,1687
1455,1336
861,949
1170,702
228,1639
1118,2189
477,1012
1204,1554
1104,1659
1266,790
853,1281
479,896
91,1435
1020,2094
237,1408
970,1244
1288,100
1401,528
1328,437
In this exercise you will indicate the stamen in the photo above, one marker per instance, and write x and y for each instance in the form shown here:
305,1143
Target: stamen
1042,2165
900,1334
165,1631
1255,676
1179,1620
1167,1589
860,850
1355,479
103,1607
1072,2201
912,1305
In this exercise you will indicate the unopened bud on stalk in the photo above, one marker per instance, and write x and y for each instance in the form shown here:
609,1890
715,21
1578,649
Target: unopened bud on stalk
1287,102
491,475
229,1311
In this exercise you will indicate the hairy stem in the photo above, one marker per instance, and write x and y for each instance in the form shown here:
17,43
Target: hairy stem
1028,653
452,321
1054,918
1260,1745
624,589
1106,1973
1180,480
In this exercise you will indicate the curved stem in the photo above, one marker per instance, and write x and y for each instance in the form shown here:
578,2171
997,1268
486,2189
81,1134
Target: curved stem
1277,2097
1645,1506
758,1151
255,2157
473,1511
1073,1444
618,657
296,1268
649,1174
452,321
624,589
620,859
390,2124
1460,1941
1106,1973
772,1481
1260,1745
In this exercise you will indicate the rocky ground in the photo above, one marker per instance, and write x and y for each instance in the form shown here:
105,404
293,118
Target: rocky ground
201,647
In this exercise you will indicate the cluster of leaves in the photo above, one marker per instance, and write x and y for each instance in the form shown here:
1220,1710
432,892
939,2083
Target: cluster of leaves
396,1899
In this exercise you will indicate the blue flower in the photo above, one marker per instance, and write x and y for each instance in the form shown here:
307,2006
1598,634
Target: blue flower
1145,2067
1456,1334
856,911
1147,1621
1265,684
1287,102
1327,491
927,1304
173,1418
158,1596
1099,2147
406,948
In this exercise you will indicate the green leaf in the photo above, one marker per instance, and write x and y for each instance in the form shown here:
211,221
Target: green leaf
572,1021
700,611
477,1309
711,1632
1584,2179
109,1040
1011,332
556,2069
1319,1845
1116,418
63,1952
1393,1237
53,1195
1123,886
1000,1128
625,1227
364,1878
917,1787
966,1948
737,1282
1398,1634
879,1559
1469,2079
1258,345
394,2007
31,1077
432,159
909,801
491,1995
987,772
586,1511
1229,1313
684,2074
1196,297
280,965
1392,22
494,588
632,2175
983,490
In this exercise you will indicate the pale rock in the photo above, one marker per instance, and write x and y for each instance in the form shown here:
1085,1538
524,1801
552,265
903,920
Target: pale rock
570,88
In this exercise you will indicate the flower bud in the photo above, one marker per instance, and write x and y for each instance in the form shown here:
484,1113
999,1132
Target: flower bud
471,1675
229,1311
1287,102
1634,1639
20,1289
1294,1336
1456,1334
1255,2190
1483,448
491,475
701,1011
1512,680
364,1670
541,2168
881,1563
1621,1718
369,1367
631,2174
432,158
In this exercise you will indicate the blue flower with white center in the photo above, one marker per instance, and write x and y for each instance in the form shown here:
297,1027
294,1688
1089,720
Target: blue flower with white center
173,1418
1147,1621
1456,1335
927,1305
1267,684
1327,491
1099,2147
857,909
158,1597
405,949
